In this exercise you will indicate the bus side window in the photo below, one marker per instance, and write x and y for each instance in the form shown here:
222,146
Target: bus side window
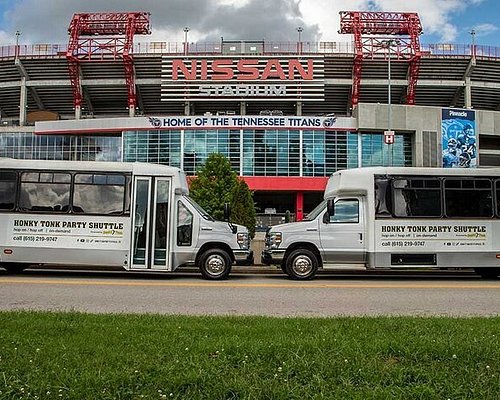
45,191
8,184
184,225
416,197
497,186
383,197
468,198
99,193
346,211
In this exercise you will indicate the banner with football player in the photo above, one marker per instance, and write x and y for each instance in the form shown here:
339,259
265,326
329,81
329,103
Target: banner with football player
458,130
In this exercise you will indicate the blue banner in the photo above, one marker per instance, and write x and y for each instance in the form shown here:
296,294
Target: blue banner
458,130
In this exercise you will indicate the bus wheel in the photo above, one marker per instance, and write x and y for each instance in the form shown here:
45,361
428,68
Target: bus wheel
488,273
301,264
13,268
215,264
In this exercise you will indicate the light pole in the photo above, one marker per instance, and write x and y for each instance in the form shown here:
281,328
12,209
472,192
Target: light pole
389,134
16,53
299,44
473,49
186,30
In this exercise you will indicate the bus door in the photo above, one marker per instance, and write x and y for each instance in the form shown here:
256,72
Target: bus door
150,221
342,235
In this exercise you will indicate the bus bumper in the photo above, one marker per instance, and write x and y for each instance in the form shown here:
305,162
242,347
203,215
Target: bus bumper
271,257
243,257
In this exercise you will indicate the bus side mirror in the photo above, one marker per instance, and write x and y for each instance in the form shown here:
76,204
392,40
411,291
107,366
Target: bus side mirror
330,207
227,211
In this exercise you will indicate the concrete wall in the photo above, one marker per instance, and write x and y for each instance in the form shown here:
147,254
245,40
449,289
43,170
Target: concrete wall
257,246
488,122
423,122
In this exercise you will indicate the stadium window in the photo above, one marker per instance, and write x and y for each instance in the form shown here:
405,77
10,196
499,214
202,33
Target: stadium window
472,198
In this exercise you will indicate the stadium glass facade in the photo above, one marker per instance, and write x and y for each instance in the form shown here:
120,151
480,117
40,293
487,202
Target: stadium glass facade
251,152
267,152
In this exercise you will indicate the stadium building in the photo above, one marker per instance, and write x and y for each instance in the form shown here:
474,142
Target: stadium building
287,115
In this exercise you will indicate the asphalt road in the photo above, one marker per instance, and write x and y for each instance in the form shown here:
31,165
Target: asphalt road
267,293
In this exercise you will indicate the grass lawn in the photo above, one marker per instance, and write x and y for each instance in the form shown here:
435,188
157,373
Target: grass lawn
83,356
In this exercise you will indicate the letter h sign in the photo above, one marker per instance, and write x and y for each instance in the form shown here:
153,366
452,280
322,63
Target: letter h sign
389,137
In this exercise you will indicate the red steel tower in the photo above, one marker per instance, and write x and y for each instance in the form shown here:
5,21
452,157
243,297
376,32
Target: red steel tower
101,37
383,34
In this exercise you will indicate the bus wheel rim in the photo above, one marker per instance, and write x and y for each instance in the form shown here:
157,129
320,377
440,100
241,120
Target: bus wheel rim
302,265
215,265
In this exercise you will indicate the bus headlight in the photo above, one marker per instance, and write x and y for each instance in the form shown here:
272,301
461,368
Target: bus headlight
243,240
274,240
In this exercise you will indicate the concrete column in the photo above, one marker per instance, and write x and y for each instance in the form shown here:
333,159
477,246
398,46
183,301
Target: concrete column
299,206
418,149
78,112
299,108
468,93
243,108
131,110
23,102
187,108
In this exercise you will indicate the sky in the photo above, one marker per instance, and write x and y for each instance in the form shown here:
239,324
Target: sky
443,21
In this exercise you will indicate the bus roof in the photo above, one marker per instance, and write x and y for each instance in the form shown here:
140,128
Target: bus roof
360,180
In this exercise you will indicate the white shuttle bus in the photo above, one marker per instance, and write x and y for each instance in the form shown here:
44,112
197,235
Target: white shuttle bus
131,215
396,218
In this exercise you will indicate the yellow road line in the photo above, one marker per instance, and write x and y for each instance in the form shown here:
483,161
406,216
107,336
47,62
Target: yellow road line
229,284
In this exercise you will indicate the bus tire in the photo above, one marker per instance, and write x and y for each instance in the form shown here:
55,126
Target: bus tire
13,268
215,264
301,264
283,267
488,273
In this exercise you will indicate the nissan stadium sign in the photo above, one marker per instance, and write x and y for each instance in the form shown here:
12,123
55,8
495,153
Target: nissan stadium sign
244,78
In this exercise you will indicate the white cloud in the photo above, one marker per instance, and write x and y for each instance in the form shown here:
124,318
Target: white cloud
485,29
438,17
325,13
6,38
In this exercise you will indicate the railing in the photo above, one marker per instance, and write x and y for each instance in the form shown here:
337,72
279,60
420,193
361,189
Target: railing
264,221
179,48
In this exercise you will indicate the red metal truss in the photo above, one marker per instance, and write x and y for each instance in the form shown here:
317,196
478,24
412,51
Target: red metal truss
104,37
383,34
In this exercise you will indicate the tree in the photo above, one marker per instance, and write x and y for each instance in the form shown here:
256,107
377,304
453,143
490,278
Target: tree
215,184
243,207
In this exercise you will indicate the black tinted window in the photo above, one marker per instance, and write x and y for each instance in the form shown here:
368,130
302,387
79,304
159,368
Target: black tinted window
468,198
8,183
416,197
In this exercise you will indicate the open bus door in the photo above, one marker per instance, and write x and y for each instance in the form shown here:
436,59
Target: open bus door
150,221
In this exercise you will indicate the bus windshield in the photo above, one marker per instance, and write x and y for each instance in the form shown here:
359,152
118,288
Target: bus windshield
198,208
314,213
